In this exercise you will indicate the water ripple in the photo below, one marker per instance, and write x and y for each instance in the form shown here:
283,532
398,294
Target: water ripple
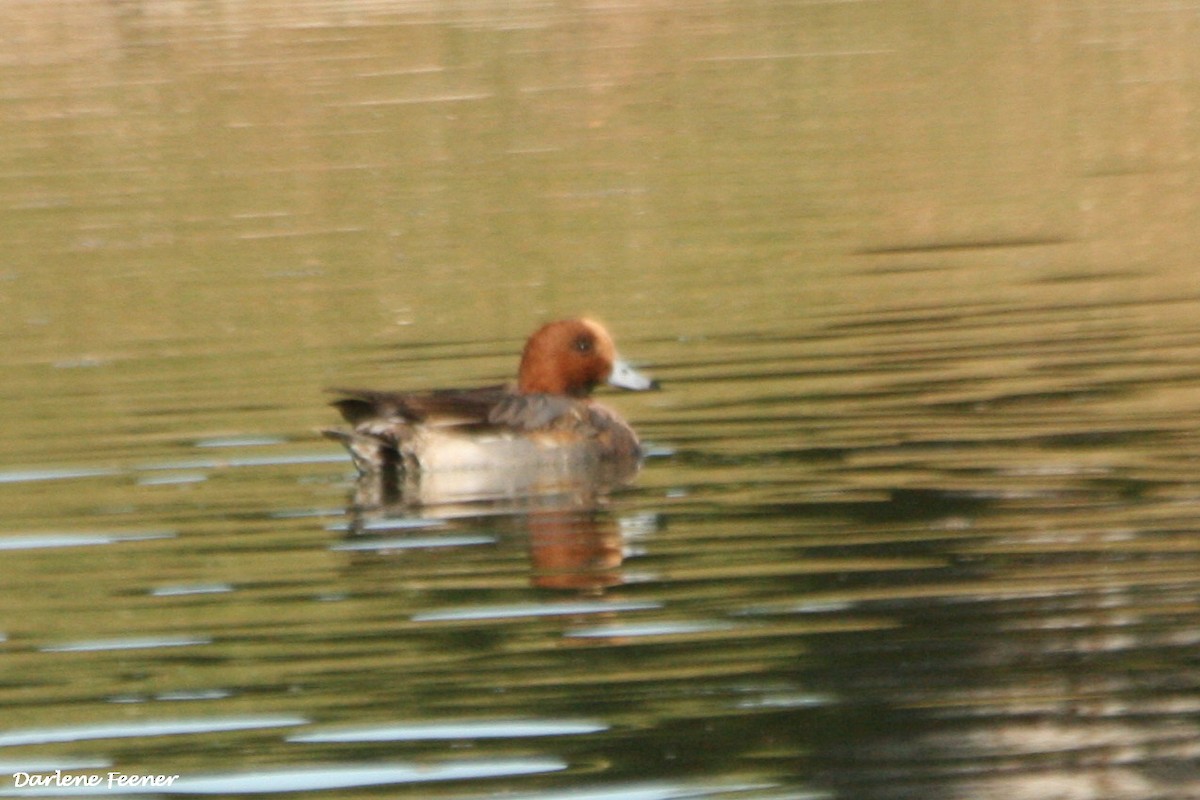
140,728
132,643
32,475
532,610
416,543
35,541
436,731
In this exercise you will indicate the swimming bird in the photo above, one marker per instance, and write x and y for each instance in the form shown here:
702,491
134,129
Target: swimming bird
546,419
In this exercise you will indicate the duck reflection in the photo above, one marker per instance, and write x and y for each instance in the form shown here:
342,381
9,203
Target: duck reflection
575,549
574,541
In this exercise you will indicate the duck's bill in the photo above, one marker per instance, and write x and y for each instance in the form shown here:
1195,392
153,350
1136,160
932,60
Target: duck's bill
624,376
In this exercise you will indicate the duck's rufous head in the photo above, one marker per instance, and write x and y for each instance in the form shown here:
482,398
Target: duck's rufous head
571,357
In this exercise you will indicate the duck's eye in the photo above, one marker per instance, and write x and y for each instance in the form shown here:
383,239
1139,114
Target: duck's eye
582,344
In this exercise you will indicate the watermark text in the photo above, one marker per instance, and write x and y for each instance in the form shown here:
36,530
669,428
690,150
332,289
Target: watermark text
108,780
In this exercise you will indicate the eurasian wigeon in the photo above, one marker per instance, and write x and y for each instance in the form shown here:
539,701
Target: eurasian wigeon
547,418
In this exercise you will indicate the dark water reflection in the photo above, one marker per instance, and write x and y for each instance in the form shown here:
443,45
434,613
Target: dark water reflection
919,514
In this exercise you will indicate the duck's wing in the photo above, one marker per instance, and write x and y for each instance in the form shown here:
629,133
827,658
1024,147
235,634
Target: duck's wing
496,406
438,407
535,412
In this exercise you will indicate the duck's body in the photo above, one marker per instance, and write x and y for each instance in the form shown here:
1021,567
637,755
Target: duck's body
546,419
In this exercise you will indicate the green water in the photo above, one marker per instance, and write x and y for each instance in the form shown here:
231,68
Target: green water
919,518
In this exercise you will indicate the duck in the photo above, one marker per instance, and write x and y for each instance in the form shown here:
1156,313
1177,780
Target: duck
546,419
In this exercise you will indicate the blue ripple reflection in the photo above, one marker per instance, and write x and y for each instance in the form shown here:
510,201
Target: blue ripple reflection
38,541
464,729
344,776
136,728
132,643
531,610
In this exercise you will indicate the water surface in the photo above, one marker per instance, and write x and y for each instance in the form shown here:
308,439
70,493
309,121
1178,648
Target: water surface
918,517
